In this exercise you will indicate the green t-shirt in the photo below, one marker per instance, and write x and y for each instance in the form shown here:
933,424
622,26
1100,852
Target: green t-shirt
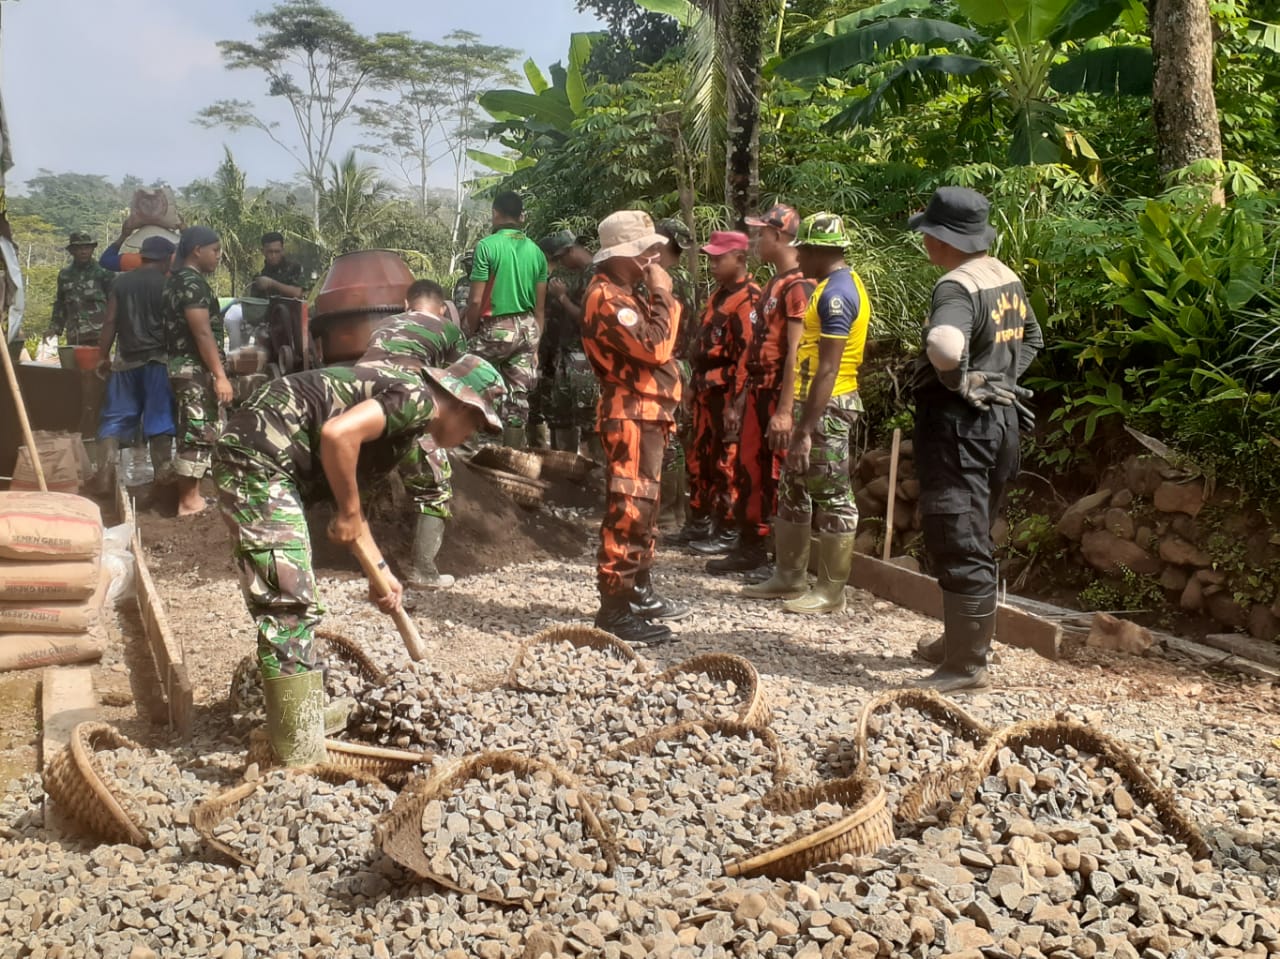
516,266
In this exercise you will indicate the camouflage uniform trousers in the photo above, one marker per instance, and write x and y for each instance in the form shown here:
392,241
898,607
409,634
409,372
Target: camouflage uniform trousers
633,449
511,344
198,416
575,394
823,495
272,551
427,476
674,459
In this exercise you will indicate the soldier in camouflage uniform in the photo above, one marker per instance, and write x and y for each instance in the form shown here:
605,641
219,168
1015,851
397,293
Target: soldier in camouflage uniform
575,392
279,276
194,343
80,304
308,437
675,477
815,490
412,342
462,288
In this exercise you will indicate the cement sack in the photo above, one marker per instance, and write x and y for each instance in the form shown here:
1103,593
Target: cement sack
154,208
43,617
36,650
42,582
49,526
62,457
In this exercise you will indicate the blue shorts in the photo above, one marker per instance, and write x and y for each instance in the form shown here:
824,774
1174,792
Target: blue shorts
140,395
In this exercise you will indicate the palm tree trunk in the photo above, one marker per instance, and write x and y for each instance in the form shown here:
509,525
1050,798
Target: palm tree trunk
746,58
1183,104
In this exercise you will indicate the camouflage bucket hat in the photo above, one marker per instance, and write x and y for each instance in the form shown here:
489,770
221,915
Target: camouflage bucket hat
676,231
822,229
81,239
475,382
555,244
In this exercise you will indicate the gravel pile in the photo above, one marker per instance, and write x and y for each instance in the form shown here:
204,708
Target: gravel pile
156,793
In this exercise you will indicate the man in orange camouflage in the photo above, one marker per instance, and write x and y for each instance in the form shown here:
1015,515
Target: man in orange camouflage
629,334
723,339
768,371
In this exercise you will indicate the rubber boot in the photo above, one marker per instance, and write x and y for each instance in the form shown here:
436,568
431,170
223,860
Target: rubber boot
647,603
563,439
104,480
835,558
697,527
617,617
337,714
969,623
790,575
295,717
428,536
595,449
515,437
161,448
669,500
539,436
749,554
933,650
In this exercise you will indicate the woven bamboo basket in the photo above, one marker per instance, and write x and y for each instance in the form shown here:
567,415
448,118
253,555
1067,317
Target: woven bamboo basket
934,792
352,653
526,492
504,459
400,829
207,815
926,701
754,710
74,782
866,828
583,637
373,761
643,745
1052,734
564,464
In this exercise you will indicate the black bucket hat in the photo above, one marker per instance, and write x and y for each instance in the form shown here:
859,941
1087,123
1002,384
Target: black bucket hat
958,217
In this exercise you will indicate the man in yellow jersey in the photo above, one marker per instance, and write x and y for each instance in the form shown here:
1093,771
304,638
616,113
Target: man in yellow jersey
815,490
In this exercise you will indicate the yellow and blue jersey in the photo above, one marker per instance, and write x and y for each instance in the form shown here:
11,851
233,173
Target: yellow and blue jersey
838,308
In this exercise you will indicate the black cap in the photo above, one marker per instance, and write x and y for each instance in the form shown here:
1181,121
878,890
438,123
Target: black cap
156,248
957,216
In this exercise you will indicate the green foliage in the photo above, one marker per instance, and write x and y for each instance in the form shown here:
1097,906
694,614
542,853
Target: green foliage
1129,592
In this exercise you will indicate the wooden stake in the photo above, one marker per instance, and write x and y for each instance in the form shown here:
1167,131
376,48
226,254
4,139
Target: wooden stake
893,494
370,557
25,423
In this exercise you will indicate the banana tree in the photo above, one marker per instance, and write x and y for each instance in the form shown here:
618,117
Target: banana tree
1024,52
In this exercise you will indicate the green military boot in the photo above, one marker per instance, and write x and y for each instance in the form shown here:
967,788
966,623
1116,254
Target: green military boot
790,575
835,558
515,437
428,537
539,436
566,440
296,717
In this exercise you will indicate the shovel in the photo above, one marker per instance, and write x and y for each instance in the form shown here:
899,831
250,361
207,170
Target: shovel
369,555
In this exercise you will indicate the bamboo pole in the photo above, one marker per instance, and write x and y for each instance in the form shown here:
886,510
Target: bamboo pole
893,494
12,375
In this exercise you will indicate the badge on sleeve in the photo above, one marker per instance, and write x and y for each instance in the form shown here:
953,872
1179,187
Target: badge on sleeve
836,306
628,317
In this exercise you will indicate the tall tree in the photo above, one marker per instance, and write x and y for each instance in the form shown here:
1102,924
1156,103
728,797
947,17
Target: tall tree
635,36
354,199
316,62
1183,104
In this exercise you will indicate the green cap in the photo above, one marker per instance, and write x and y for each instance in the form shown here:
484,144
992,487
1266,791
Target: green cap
475,382
81,239
822,229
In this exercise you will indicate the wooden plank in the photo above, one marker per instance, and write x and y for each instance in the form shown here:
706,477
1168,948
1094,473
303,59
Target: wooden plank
1217,659
66,700
1258,650
921,593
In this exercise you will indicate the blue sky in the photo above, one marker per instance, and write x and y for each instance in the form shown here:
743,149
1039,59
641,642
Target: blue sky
111,87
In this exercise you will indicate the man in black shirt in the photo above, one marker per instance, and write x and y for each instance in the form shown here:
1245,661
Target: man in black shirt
138,390
280,276
981,336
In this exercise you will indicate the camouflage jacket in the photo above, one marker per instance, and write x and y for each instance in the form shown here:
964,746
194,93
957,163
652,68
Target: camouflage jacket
184,290
682,287
461,293
80,305
287,272
563,332
278,429
413,342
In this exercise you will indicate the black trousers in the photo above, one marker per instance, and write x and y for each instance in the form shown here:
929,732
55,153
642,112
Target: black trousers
965,459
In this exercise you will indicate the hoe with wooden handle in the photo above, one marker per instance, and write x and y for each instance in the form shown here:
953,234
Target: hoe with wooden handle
371,562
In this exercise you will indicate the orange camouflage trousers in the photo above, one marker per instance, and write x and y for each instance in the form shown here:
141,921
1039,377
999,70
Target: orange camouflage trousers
712,458
758,467
633,450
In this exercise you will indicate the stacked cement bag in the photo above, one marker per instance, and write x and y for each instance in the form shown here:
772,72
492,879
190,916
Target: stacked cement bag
51,583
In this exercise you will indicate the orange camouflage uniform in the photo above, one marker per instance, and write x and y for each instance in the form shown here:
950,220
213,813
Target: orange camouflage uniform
719,374
783,301
629,338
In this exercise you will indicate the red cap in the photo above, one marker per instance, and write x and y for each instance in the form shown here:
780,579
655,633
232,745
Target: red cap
726,241
784,217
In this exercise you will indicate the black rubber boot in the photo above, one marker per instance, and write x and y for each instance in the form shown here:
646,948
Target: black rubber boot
698,527
647,603
749,554
969,623
722,539
933,650
617,617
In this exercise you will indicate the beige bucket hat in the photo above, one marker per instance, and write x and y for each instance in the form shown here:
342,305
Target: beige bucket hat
627,233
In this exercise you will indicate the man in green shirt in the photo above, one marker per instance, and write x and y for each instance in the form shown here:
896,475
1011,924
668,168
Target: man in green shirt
505,309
